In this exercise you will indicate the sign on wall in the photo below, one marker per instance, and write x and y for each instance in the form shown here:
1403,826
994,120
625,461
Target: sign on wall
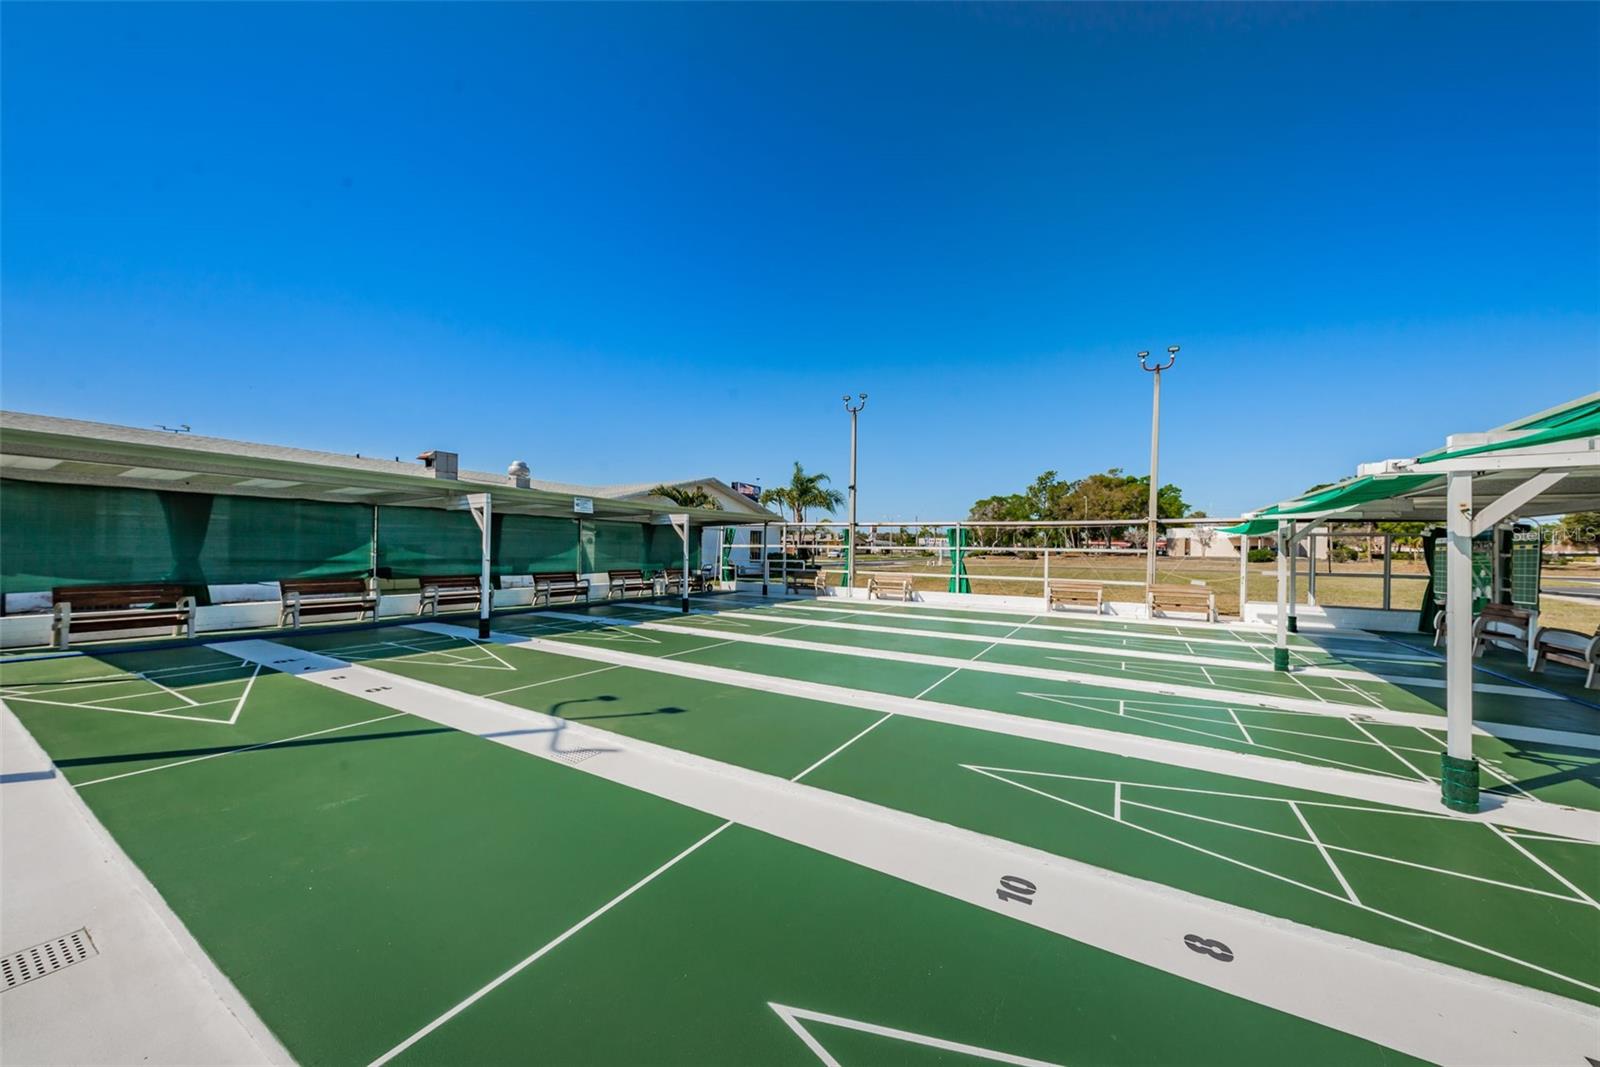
583,505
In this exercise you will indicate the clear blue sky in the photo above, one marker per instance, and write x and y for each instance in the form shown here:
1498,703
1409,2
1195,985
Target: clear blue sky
628,242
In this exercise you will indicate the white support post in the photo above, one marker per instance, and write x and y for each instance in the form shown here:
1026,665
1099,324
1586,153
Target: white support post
1294,574
1388,570
372,562
1311,569
783,556
684,532
1047,574
1244,573
766,560
483,512
1280,651
1460,768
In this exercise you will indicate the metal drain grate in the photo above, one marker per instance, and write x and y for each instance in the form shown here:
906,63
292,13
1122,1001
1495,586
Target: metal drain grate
47,958
577,755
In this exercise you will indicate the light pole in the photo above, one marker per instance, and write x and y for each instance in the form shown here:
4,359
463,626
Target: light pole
1155,449
850,544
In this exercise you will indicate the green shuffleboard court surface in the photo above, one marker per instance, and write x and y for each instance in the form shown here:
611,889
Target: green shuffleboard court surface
618,834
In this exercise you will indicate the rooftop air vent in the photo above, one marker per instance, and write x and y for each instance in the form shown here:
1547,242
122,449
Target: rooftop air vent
440,464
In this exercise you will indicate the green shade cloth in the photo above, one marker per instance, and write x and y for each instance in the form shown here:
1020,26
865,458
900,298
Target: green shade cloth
1253,527
665,549
1353,493
417,541
621,545
55,535
1364,490
525,544
1581,419
58,535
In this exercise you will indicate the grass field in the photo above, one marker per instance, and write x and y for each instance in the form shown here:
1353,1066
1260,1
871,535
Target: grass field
1354,584
801,833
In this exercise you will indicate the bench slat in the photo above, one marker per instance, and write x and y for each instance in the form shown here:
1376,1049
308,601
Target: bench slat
1070,591
1182,598
98,608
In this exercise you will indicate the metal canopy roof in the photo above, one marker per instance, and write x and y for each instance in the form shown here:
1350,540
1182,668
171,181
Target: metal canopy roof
1563,444
46,449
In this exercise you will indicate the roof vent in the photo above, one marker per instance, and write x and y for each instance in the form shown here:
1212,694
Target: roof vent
518,475
440,464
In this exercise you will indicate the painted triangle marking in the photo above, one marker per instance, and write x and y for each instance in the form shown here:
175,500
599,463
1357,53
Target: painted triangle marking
793,1017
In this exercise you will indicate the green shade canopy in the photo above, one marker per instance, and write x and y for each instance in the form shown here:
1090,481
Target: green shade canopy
1577,420
1366,489
1253,527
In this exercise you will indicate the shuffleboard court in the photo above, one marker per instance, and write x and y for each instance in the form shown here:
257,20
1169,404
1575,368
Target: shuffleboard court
1358,739
1439,879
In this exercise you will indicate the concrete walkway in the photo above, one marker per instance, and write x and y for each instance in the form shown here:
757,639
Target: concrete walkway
145,992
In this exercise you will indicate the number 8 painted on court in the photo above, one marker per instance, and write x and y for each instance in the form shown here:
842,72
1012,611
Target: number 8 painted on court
1208,947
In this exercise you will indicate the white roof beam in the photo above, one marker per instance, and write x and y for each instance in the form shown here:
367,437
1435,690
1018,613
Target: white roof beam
1490,514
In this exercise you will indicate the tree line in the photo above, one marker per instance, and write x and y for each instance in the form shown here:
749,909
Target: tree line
1114,496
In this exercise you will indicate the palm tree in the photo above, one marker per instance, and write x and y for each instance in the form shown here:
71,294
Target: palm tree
804,491
688,496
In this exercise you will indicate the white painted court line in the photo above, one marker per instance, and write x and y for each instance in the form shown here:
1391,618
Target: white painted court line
1510,731
1322,849
886,717
1229,633
528,961
792,1019
1404,793
1374,992
1027,625
1348,897
1253,664
548,681
233,751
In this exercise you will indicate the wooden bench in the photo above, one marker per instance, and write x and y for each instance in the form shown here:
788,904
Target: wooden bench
674,580
449,591
1502,626
1067,591
560,583
91,608
800,581
621,583
882,585
1188,598
300,597
1572,647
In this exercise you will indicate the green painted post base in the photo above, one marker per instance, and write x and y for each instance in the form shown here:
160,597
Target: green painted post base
1294,624
1280,659
1460,783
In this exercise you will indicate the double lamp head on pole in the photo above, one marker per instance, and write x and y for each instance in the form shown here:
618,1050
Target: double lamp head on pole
1172,357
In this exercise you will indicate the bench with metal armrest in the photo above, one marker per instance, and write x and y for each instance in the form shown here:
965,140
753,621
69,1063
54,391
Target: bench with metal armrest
1498,625
92,608
560,583
1187,598
621,583
800,581
883,586
449,591
674,580
1067,591
1502,626
301,597
1572,647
